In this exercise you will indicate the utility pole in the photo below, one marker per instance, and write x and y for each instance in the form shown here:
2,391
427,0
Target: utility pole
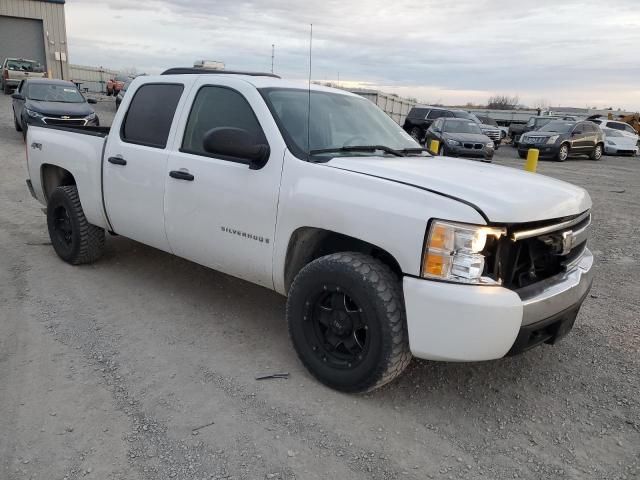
273,52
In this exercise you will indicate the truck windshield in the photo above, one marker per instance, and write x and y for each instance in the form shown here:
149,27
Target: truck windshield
337,120
54,93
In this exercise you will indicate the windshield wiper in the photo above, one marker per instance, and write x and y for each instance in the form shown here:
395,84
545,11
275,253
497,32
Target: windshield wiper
415,150
359,148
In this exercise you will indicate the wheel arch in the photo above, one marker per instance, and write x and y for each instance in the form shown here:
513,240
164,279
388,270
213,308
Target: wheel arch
54,176
309,243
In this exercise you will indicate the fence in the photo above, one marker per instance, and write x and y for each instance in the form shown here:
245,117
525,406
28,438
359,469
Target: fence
93,78
394,106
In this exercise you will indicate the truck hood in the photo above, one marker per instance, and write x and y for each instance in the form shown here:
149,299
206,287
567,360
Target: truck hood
502,194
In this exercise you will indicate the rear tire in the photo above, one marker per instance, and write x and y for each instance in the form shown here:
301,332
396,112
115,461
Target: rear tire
597,153
563,153
522,155
7,89
347,322
74,239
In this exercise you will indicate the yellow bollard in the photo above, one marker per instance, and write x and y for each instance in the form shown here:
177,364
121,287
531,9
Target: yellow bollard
434,145
531,165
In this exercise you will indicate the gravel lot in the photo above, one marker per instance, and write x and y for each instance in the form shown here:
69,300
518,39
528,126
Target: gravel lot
107,371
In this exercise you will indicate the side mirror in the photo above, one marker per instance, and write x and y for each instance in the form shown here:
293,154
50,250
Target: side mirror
17,96
93,101
237,143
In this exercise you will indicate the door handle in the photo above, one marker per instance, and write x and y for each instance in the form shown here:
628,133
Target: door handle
117,160
181,175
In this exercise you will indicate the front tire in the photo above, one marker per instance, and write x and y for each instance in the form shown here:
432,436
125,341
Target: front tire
16,124
347,322
74,239
416,133
597,153
563,153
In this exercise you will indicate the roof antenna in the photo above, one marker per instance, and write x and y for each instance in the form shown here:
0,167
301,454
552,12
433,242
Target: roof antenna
309,105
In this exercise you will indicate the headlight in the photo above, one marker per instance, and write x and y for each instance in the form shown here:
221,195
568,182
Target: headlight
91,116
456,252
33,114
453,142
609,142
490,145
552,139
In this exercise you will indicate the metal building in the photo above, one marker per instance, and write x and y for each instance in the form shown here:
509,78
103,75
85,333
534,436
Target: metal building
35,29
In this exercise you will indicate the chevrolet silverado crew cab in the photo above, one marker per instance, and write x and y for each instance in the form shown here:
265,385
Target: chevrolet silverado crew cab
383,251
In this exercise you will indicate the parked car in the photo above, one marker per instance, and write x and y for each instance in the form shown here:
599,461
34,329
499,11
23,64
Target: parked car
624,128
14,70
491,131
459,137
420,119
534,123
560,139
114,85
618,143
383,251
490,121
50,102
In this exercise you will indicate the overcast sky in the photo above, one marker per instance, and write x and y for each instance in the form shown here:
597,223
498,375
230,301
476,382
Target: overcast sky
565,52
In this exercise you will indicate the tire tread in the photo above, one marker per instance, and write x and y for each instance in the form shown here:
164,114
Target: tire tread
92,238
388,290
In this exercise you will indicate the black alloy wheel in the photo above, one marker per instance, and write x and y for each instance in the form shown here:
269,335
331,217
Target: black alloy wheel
336,327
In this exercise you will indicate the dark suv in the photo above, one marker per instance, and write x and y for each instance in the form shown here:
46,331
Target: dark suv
560,139
420,118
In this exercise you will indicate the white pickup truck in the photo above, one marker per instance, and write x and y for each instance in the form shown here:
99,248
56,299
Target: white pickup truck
382,250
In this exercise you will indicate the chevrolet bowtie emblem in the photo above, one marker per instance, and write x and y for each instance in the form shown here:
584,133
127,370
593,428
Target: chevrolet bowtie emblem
66,117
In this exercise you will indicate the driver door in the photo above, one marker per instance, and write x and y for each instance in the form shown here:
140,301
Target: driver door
579,139
219,212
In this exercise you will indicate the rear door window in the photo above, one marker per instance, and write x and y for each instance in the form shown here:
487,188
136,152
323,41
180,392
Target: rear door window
150,114
615,125
433,114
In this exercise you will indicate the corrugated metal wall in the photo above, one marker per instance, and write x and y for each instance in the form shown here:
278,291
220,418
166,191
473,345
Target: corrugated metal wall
55,33
93,78
394,106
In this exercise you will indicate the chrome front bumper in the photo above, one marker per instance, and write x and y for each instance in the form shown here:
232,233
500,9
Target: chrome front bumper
558,293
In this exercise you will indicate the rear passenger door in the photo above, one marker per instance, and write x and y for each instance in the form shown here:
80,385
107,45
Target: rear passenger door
135,163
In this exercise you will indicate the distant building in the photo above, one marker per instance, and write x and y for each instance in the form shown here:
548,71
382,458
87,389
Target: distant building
35,29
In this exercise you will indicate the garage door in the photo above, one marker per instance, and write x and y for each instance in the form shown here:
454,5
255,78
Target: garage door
22,38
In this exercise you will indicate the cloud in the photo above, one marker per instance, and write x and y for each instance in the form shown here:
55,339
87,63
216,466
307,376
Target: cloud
581,51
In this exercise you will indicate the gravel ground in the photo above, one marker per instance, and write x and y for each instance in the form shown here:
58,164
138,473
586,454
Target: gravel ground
142,366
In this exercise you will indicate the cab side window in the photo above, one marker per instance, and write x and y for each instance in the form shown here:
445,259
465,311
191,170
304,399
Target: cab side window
150,114
216,107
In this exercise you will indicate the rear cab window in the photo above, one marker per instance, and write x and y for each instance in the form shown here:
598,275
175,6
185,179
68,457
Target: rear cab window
150,115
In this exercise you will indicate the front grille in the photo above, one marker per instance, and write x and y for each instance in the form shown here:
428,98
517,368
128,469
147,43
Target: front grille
535,252
69,122
493,134
472,146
